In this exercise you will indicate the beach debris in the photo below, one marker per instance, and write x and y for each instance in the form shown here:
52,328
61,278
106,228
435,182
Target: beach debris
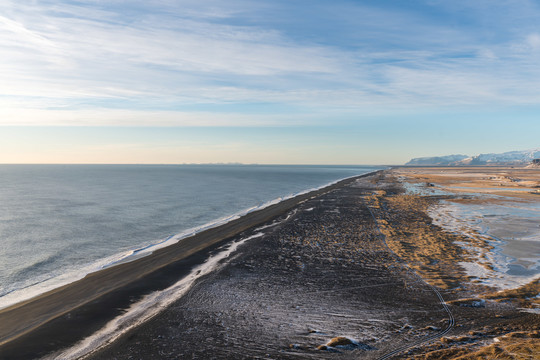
343,343
327,348
457,339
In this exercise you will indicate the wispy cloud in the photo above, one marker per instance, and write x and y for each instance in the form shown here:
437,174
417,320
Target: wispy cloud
119,63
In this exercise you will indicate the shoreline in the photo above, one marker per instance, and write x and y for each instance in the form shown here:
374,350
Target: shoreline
327,284
45,321
323,273
135,253
360,261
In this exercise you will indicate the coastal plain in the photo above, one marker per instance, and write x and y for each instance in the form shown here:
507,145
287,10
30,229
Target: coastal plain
356,270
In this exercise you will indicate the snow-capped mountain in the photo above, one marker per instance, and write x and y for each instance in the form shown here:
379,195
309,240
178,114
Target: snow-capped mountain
524,157
512,157
437,160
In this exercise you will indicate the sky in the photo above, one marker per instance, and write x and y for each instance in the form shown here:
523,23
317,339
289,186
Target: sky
267,81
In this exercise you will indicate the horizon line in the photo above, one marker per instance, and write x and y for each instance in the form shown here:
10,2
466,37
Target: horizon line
216,163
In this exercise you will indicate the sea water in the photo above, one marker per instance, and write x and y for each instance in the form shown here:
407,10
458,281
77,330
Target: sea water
61,222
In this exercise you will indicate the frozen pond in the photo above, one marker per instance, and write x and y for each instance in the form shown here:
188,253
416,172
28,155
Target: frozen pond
510,225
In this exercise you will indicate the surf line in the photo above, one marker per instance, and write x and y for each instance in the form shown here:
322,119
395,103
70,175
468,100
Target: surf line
148,307
153,303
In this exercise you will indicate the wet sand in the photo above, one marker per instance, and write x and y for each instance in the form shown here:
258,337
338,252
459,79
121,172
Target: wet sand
361,263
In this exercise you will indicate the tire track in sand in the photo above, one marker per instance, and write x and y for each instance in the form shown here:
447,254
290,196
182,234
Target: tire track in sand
451,320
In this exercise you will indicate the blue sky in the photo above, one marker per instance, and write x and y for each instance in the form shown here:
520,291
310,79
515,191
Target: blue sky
340,82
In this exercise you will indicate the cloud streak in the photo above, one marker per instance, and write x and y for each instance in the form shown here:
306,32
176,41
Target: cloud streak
149,63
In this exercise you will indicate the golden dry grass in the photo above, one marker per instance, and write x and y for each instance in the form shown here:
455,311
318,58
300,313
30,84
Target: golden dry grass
526,295
519,345
435,255
519,183
411,235
513,346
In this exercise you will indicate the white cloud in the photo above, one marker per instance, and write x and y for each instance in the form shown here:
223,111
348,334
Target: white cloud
533,40
17,116
170,54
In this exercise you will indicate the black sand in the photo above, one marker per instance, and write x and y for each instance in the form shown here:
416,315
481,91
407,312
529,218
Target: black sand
60,317
323,273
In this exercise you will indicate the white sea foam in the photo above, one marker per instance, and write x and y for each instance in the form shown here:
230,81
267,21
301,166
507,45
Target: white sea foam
155,302
62,278
148,307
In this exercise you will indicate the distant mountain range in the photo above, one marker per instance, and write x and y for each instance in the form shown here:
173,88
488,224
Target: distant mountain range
524,157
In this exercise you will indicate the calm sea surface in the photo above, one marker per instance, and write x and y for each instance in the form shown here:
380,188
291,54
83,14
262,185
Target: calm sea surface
60,222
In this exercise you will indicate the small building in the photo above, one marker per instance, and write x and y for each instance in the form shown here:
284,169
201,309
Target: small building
536,161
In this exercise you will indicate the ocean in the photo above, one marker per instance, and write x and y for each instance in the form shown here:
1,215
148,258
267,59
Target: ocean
61,222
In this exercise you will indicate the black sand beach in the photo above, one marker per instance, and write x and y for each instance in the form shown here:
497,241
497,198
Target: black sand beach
60,317
330,269
324,273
